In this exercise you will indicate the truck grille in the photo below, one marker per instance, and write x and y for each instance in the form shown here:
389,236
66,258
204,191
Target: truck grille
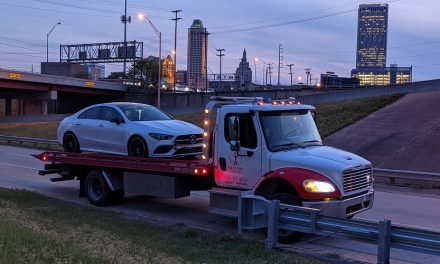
357,179
189,139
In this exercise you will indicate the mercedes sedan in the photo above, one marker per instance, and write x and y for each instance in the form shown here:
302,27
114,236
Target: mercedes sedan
129,129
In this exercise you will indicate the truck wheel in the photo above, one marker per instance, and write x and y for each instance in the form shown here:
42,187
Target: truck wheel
137,147
284,236
97,190
71,143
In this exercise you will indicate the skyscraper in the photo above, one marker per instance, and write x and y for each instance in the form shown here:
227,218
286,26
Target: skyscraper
372,36
371,53
243,74
197,55
168,68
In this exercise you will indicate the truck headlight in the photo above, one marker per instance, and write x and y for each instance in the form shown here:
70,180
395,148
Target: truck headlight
318,186
159,136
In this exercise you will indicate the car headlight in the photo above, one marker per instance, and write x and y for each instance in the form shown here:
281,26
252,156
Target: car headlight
318,186
159,136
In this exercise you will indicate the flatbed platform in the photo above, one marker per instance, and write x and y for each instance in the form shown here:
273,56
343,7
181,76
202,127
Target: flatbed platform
140,164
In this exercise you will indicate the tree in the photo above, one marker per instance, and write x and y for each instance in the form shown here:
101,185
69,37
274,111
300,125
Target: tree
145,71
117,76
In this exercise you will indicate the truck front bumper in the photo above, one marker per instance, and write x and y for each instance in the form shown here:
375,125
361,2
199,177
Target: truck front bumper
344,208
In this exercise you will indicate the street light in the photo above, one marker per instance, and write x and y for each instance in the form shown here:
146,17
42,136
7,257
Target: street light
47,40
159,34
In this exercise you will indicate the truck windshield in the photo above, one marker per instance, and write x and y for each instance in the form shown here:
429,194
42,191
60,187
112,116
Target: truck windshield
289,129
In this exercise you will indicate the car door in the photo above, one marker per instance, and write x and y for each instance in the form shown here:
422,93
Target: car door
85,128
111,136
238,168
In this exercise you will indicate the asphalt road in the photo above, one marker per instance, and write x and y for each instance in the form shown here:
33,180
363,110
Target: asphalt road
19,170
404,135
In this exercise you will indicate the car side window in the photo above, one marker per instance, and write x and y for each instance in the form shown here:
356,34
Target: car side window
248,134
93,113
82,115
107,113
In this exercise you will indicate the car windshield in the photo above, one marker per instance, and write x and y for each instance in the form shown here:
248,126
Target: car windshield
143,113
289,129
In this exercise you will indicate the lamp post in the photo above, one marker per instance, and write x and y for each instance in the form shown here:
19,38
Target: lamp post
47,40
159,34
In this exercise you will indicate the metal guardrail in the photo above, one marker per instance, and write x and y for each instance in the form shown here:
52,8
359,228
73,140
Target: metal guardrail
22,140
418,176
256,212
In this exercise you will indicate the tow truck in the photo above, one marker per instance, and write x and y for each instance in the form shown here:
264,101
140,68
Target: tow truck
268,148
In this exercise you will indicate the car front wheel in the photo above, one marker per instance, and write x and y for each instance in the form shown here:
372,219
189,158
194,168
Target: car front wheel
70,143
137,147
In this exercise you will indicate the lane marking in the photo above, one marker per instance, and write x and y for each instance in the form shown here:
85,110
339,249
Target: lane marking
17,166
15,154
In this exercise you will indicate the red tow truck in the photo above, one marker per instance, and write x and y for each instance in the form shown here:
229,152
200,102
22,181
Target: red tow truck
268,148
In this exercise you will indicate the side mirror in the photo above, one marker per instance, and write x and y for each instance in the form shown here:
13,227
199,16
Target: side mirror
116,120
234,133
235,145
313,113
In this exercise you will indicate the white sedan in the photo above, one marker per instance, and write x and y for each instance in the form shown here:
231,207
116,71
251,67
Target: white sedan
129,129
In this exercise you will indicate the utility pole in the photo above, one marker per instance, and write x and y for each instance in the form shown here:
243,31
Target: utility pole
175,45
280,59
270,74
264,72
291,73
308,75
220,55
206,34
124,20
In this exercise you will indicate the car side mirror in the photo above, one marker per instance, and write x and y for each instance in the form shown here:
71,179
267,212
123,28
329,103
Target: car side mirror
116,120
313,113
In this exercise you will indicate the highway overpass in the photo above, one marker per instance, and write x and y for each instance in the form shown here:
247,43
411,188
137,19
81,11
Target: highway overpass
25,93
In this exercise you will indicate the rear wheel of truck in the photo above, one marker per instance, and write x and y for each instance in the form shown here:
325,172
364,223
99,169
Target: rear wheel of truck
284,236
97,190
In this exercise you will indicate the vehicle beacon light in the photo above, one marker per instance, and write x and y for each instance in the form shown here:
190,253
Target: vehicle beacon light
318,186
202,171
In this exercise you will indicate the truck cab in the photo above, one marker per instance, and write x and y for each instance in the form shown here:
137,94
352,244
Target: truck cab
273,149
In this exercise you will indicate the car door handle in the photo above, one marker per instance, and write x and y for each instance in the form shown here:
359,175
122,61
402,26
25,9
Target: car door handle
78,124
101,125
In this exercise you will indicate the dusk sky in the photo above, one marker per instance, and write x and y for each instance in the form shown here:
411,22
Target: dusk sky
319,34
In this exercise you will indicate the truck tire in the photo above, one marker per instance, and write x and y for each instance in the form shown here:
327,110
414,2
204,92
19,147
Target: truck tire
286,237
97,190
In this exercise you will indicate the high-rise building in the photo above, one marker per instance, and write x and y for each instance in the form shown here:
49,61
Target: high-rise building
372,35
168,68
371,54
197,55
243,74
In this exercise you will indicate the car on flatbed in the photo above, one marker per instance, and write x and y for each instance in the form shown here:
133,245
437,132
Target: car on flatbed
129,129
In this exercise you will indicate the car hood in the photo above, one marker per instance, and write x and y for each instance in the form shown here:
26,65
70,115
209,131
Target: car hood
170,127
328,161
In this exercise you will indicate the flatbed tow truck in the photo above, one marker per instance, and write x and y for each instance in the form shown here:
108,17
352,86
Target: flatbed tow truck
266,148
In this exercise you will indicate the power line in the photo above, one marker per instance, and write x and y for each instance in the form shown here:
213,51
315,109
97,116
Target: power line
291,22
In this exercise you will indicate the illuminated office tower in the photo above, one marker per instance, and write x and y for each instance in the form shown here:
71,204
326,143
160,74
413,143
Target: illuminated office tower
372,36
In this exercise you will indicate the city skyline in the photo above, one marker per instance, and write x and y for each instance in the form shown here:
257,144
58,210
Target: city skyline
318,35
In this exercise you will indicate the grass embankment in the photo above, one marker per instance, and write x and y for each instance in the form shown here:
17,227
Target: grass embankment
330,118
37,229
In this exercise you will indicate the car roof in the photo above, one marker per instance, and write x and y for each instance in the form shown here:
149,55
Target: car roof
119,104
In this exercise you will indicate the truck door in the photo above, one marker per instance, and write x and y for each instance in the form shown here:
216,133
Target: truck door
238,159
